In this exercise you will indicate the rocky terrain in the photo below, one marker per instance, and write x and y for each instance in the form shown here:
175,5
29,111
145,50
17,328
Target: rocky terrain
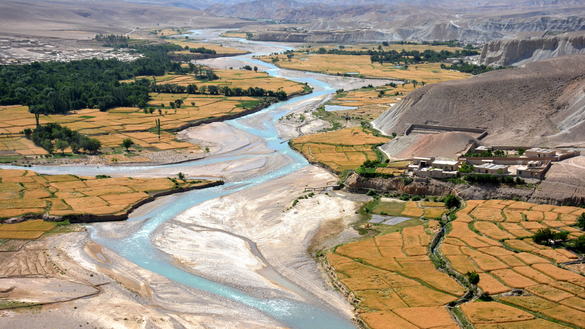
526,50
540,104
471,21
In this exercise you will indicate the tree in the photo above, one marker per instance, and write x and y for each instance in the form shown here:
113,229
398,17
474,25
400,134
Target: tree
127,143
473,277
255,68
181,176
549,237
581,221
451,201
61,145
91,145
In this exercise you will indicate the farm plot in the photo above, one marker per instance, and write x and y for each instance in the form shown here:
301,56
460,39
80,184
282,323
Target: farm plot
369,103
493,238
219,49
395,280
429,210
234,79
362,65
339,150
24,192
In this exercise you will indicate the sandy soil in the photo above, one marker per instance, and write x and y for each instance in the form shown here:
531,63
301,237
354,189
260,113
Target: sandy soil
441,145
258,242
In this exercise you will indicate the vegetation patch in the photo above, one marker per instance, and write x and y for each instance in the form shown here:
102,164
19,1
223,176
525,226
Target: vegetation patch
339,150
27,193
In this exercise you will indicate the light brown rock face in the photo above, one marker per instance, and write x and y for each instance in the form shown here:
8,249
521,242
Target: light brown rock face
522,51
542,103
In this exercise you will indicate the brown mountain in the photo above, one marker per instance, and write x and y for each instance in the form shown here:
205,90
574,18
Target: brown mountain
542,103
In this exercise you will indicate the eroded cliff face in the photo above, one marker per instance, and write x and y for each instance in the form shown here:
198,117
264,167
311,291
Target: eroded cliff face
522,51
541,104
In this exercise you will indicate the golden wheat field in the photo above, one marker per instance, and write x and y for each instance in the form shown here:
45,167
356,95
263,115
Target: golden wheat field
234,79
219,49
24,192
361,64
396,282
339,150
113,126
488,237
492,238
370,103
429,210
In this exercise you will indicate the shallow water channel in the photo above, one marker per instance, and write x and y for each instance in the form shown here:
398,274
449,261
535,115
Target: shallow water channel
138,247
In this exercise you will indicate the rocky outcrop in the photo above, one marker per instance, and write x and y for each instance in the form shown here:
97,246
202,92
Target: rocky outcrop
522,51
426,186
541,104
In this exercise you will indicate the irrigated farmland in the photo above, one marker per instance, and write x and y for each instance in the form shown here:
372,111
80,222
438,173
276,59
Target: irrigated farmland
396,282
140,125
522,284
339,150
529,284
362,65
24,192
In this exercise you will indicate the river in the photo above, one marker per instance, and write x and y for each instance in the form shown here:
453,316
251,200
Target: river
138,247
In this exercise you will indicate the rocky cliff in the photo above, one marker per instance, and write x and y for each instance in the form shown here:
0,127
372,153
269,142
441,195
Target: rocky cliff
522,51
542,103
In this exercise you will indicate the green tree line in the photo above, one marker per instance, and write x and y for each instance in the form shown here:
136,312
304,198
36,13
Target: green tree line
59,87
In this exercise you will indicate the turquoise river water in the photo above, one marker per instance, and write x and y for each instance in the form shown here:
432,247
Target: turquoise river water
138,247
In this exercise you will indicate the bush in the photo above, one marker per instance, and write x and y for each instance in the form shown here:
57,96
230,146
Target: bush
548,237
579,244
452,201
52,134
581,222
472,277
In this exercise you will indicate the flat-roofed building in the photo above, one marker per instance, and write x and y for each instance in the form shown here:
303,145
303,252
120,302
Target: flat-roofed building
537,152
491,168
447,165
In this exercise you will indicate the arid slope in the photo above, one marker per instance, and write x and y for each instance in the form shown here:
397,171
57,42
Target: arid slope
542,103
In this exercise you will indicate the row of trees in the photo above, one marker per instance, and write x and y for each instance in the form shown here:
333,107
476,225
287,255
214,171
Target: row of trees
468,68
404,56
53,137
219,90
113,40
58,87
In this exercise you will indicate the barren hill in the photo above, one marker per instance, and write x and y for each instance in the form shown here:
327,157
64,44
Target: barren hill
83,19
525,50
542,103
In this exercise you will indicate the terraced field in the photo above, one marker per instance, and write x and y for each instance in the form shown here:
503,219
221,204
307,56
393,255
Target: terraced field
115,125
396,281
529,285
234,79
219,49
24,192
492,238
370,103
362,65
341,149
426,209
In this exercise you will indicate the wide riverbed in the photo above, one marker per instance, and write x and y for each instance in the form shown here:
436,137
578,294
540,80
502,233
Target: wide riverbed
268,158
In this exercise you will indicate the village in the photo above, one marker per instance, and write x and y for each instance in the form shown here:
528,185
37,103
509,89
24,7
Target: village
531,163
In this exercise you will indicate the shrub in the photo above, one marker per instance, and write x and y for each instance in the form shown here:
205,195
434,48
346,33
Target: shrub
473,277
581,222
452,201
547,237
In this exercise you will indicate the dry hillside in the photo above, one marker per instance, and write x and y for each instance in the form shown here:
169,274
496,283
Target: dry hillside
542,103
